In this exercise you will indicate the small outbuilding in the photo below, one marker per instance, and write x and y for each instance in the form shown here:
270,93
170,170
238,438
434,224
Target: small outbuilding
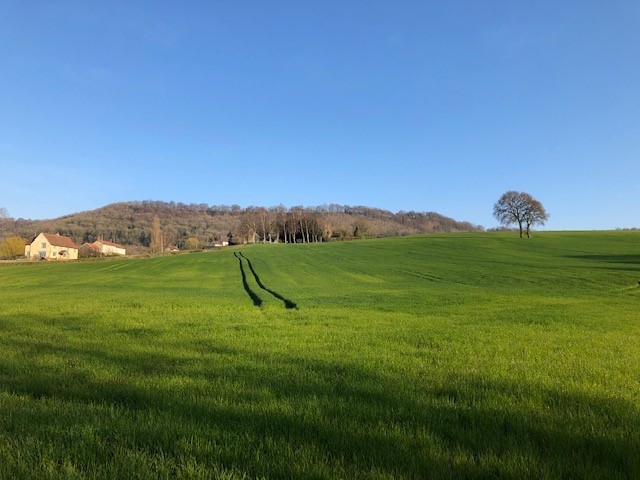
110,248
89,250
102,247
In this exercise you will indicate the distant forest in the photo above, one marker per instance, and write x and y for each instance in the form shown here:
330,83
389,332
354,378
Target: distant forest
130,223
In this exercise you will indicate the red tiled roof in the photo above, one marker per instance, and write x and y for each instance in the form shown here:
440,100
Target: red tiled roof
91,246
111,244
60,240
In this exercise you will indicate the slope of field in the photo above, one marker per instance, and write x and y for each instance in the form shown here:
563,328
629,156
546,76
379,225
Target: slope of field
457,355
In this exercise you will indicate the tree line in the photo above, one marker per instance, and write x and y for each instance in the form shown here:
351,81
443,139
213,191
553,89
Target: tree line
158,225
132,224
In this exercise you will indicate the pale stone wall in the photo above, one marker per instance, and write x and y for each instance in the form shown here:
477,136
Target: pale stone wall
111,249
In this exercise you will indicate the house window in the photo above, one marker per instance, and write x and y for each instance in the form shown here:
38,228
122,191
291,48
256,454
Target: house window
43,245
54,254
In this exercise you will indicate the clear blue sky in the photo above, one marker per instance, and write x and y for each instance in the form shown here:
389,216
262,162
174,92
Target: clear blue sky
401,105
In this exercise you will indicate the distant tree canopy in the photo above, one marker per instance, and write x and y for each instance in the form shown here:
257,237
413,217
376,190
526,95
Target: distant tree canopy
132,224
12,247
521,208
3,213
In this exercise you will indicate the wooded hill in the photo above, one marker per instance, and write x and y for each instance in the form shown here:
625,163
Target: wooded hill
130,223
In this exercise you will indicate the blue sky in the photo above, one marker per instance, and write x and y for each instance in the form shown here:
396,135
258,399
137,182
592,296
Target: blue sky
401,105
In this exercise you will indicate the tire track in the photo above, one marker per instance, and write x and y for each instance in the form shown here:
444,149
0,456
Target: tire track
257,301
287,303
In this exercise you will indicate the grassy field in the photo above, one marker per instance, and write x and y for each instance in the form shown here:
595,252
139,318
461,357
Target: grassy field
462,355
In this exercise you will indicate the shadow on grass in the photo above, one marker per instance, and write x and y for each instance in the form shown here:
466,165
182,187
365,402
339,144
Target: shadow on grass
287,303
311,418
628,259
257,301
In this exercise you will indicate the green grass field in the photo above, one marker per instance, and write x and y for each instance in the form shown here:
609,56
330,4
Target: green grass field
461,355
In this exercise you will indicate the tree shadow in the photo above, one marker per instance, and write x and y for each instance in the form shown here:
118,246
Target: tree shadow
287,303
629,259
360,422
257,301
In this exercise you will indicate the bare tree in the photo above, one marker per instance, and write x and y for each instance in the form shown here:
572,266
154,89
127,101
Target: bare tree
292,225
306,217
521,208
250,224
298,213
534,214
509,209
279,222
157,239
264,222
4,218
326,225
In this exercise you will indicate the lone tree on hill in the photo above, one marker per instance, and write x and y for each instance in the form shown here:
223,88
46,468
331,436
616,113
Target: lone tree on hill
521,208
534,214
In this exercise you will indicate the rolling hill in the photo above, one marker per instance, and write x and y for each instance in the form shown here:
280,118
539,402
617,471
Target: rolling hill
447,356
129,223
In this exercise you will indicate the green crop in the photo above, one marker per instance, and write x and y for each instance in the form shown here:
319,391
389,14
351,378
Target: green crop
444,356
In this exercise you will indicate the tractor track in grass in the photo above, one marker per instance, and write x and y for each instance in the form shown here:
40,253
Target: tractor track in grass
255,298
257,301
287,303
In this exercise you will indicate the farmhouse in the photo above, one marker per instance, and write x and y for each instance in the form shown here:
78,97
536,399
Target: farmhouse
51,247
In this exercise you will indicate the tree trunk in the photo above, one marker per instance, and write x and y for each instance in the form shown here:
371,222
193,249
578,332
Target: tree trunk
301,230
306,226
